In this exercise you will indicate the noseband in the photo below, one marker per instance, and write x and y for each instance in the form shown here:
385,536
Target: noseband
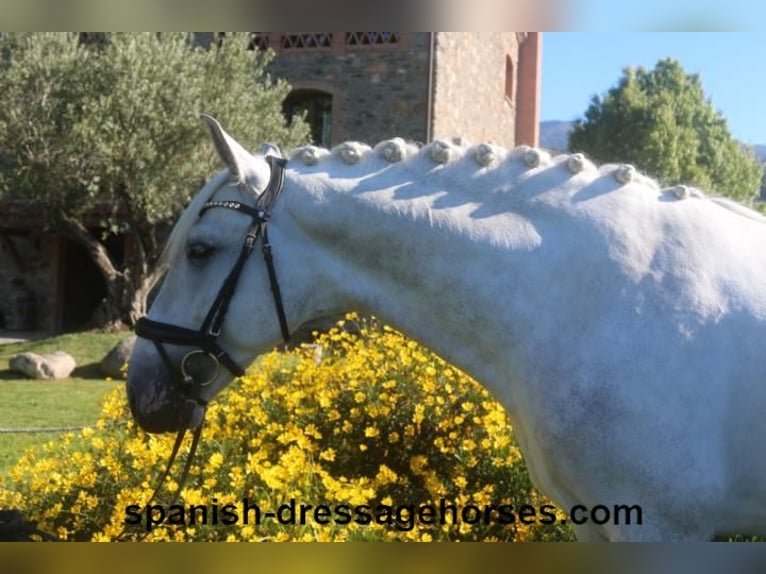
201,366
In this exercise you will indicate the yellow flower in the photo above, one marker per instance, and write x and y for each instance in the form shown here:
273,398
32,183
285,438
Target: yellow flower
327,454
418,463
275,436
385,475
419,414
215,461
193,496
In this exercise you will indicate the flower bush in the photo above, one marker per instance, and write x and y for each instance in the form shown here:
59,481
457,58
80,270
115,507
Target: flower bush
368,434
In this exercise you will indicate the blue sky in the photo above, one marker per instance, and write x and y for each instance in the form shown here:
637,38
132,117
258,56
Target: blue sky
732,67
664,15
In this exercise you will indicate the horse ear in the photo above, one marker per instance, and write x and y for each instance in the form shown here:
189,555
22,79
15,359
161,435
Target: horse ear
270,149
233,155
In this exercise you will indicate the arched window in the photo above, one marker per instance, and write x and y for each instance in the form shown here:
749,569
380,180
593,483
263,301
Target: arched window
317,106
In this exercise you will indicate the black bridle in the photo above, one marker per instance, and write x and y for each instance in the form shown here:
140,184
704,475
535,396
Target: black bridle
201,366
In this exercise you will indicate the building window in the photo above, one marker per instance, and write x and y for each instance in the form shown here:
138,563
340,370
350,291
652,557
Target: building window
371,38
317,107
306,40
510,76
260,41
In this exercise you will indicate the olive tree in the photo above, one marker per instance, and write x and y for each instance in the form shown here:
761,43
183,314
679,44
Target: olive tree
661,121
101,132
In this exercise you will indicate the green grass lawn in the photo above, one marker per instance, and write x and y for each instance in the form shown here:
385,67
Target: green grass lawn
74,401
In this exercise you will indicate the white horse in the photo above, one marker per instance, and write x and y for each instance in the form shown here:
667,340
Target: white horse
623,326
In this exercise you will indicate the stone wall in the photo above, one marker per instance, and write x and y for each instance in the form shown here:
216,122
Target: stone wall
475,73
378,91
28,254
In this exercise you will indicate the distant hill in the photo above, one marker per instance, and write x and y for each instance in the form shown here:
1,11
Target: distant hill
554,134
760,152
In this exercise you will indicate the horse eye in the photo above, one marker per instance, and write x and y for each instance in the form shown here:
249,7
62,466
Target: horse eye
199,252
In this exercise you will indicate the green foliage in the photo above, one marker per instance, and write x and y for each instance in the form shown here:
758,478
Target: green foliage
661,121
118,120
102,133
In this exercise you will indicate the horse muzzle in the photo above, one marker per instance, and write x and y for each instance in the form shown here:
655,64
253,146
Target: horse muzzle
164,400
165,415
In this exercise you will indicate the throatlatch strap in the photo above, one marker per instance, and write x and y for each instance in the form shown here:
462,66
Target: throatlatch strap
275,291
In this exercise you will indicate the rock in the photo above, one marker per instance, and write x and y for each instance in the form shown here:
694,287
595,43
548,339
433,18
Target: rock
114,361
57,365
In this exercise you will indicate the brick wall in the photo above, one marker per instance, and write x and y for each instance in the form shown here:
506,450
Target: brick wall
479,82
378,91
474,74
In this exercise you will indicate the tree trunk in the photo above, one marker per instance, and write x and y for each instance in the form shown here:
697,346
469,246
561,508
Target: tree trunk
125,304
127,288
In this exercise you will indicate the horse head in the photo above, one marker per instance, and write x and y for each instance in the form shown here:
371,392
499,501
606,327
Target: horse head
213,313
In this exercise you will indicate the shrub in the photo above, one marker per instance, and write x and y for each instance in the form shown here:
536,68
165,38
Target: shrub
376,429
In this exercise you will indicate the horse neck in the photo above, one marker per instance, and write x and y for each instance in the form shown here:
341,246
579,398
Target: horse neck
426,269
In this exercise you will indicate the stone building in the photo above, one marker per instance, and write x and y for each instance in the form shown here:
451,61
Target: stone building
466,87
28,256
368,86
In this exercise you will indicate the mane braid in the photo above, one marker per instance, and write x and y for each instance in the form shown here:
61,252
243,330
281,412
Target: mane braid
487,159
